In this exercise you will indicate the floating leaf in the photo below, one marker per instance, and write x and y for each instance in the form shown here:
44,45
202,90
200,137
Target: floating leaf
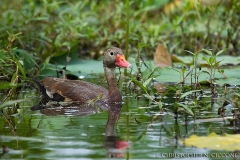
215,142
80,67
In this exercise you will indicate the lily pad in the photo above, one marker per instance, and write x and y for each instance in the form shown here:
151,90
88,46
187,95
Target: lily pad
224,60
79,68
215,142
232,76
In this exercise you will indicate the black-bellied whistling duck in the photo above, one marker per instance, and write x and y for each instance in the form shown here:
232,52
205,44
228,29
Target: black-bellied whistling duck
56,89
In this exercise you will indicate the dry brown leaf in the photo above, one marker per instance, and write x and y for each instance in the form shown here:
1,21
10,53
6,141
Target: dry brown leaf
160,87
161,57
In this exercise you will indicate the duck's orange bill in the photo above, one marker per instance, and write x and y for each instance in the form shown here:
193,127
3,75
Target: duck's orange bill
122,62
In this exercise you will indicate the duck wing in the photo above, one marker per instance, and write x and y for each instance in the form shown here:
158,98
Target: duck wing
72,90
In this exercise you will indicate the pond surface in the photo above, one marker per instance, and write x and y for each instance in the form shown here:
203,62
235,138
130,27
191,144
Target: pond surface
140,132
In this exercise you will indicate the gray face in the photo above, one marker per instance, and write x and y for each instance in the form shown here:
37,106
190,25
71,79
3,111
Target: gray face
109,57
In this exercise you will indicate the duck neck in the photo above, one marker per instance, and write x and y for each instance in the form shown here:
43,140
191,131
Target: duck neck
113,91
110,75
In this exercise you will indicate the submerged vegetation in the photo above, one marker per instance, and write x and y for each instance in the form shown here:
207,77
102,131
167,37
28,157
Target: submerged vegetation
42,36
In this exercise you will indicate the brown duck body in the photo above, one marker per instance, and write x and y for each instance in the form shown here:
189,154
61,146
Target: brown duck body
73,90
56,89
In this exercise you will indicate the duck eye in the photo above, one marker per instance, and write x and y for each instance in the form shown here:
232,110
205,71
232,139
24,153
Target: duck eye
111,53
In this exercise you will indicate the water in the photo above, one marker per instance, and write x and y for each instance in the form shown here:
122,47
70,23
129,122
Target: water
140,132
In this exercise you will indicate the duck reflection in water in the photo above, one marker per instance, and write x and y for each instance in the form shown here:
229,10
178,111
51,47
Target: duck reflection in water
111,142
114,146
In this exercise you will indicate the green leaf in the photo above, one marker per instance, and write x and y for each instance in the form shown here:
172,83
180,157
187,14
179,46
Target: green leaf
183,69
206,72
141,45
139,84
190,52
147,82
177,70
208,52
142,135
217,64
180,19
160,105
14,75
188,93
187,108
204,58
150,73
221,70
47,60
176,106
21,68
7,103
157,72
220,52
173,47
7,85
211,60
